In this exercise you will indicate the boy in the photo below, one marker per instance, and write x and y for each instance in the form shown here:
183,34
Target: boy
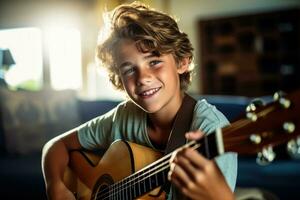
149,58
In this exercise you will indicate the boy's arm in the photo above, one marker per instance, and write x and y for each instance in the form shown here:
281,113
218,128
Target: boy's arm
55,158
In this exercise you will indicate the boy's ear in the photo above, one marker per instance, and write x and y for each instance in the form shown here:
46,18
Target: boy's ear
183,65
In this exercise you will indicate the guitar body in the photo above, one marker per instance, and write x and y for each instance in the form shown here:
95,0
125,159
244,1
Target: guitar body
88,173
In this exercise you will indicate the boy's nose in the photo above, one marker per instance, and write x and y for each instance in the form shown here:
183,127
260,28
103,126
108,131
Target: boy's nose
144,76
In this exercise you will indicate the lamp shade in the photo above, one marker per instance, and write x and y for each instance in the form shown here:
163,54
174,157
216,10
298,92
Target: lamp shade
6,59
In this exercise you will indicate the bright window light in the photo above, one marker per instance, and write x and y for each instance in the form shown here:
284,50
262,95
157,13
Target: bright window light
25,45
64,47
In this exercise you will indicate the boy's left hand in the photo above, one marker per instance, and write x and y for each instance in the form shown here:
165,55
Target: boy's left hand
198,177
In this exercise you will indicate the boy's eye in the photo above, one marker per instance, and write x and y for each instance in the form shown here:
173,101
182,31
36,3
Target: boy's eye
154,62
128,71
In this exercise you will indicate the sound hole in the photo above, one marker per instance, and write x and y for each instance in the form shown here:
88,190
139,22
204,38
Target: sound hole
101,188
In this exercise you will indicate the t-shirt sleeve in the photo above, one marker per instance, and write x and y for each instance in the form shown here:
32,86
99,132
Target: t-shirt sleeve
93,134
208,118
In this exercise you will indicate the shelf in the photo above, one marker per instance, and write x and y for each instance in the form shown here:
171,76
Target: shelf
250,54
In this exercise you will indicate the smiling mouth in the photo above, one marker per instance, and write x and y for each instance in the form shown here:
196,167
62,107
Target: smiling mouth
149,93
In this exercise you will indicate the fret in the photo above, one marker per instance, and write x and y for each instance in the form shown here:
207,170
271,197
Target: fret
138,185
129,193
156,180
123,195
126,191
161,178
133,185
147,183
144,185
134,192
149,179
111,196
135,189
116,191
152,182
119,190
127,188
164,175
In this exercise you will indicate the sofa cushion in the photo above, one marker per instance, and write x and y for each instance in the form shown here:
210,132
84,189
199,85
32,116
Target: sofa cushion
89,109
32,118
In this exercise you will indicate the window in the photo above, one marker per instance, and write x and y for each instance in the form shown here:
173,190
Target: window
64,47
25,45
64,52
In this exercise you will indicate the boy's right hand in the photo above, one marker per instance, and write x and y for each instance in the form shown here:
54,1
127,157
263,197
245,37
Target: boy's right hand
59,191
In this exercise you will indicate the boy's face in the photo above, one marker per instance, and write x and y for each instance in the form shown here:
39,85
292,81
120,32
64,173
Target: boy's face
152,82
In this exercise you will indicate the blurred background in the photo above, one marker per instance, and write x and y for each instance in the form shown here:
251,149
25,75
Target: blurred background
49,81
247,47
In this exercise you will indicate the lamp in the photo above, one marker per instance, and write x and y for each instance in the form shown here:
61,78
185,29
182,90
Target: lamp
6,61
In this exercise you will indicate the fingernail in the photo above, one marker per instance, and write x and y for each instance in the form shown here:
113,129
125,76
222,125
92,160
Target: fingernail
169,175
172,167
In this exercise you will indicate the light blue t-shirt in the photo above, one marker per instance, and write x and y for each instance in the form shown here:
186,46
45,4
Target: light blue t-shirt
129,122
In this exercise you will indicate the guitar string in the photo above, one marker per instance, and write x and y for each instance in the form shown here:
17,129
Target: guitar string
150,168
165,165
237,125
123,186
118,190
162,162
117,187
122,189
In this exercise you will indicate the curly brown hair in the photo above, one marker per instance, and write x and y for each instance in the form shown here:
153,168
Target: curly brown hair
152,31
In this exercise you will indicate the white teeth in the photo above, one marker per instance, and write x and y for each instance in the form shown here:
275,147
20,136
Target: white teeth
150,92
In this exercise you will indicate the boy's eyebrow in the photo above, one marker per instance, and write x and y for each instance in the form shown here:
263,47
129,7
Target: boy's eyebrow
150,56
124,64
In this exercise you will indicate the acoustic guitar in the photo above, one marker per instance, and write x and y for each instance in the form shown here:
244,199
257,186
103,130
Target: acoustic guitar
131,171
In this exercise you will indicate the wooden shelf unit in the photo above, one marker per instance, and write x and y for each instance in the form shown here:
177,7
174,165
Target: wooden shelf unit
250,55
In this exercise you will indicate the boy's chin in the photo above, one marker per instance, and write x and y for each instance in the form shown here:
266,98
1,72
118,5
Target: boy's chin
147,108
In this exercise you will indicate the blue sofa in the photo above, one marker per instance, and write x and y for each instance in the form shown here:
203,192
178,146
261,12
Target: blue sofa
20,172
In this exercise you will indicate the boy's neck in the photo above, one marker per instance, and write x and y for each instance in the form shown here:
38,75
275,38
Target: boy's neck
160,125
164,120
